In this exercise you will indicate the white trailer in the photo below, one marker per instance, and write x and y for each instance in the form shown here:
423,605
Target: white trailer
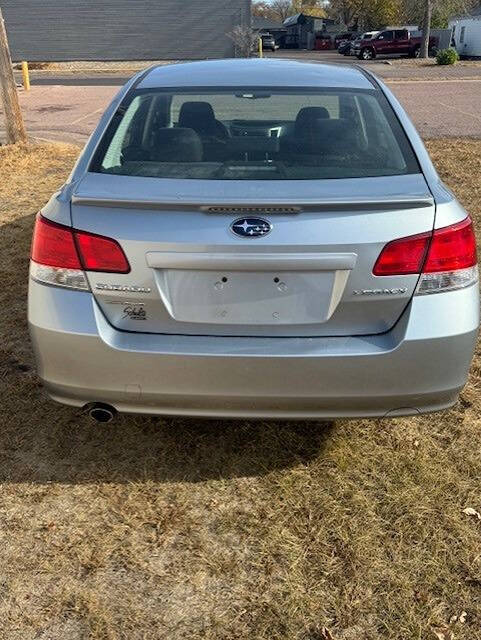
467,36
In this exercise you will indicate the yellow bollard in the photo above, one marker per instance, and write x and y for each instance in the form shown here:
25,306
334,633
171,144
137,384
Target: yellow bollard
260,48
25,76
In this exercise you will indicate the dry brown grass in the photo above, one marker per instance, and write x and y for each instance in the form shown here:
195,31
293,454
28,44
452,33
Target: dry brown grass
431,62
38,66
150,528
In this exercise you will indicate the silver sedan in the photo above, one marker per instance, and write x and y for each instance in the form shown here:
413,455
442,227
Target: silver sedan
257,238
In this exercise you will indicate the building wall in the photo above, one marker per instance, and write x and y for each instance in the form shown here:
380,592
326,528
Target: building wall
56,30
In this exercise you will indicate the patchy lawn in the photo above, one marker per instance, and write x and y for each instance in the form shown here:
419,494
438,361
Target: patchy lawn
431,62
151,528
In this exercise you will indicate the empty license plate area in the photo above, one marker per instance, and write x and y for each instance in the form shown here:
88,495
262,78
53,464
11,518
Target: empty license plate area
251,288
232,297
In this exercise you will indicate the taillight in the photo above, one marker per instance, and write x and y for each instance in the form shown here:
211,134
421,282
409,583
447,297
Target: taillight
98,253
53,245
445,258
60,255
452,248
403,256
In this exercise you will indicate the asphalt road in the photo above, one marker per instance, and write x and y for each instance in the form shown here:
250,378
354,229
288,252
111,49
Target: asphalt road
442,109
67,107
76,79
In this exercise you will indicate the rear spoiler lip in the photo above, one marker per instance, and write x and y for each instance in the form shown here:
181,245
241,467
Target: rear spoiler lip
254,207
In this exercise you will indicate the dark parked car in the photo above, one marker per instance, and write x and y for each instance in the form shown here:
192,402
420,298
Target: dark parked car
341,38
393,41
346,45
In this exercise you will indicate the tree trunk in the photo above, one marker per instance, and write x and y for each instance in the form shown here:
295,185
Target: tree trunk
428,11
8,91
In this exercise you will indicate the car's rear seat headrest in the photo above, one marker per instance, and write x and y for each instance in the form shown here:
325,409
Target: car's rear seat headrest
337,132
177,145
331,136
307,118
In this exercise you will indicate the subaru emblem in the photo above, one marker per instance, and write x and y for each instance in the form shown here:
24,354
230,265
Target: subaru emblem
251,227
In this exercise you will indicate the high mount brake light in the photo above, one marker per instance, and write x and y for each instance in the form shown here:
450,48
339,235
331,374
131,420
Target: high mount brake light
445,258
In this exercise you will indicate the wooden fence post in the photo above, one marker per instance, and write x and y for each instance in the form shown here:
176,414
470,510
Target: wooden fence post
11,108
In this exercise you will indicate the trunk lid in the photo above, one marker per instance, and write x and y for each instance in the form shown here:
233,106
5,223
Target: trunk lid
311,275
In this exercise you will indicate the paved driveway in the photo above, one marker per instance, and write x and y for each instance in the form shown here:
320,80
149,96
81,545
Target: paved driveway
441,109
66,113
67,108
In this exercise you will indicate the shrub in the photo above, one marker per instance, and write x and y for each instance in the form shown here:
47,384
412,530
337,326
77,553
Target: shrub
246,41
447,56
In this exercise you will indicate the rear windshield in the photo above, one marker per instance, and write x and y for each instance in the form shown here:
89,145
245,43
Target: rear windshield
245,134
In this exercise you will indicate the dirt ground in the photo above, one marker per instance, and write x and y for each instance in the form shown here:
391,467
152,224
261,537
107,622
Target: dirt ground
150,529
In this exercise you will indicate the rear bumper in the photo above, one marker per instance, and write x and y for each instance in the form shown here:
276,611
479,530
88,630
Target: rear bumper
419,366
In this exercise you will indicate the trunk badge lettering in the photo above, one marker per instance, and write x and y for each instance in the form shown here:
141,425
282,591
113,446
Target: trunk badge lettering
120,287
380,292
135,312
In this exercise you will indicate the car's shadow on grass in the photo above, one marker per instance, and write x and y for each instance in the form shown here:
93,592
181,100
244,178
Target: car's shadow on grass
41,441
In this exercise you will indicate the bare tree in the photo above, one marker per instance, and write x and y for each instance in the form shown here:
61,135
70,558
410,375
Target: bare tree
263,9
316,8
345,10
245,40
282,9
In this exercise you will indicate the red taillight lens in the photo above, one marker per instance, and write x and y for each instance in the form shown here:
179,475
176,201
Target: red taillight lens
55,245
452,248
446,249
403,256
101,254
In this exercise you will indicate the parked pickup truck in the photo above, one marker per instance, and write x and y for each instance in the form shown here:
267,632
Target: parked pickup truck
391,41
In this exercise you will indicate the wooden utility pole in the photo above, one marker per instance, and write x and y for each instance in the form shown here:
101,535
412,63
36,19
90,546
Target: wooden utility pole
11,107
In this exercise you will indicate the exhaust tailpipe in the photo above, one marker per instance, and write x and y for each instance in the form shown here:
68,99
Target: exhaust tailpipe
102,412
